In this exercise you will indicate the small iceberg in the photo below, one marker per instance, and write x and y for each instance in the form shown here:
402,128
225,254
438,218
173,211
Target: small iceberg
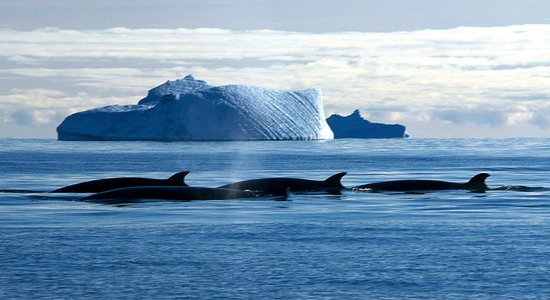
355,126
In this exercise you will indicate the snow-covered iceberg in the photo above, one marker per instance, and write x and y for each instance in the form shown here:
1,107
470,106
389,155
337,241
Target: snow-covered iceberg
190,109
354,126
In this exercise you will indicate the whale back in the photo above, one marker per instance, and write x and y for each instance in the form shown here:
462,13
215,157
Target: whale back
279,186
476,184
177,193
409,185
102,185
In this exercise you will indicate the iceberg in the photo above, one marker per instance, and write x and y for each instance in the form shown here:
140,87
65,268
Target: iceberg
355,126
191,110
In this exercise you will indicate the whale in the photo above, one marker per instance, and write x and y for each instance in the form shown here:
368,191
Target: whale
102,185
475,184
276,186
176,193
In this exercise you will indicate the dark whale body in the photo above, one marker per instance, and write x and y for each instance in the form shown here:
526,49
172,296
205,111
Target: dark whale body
476,184
179,193
107,184
277,186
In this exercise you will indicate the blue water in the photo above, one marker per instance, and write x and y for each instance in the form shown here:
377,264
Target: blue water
447,244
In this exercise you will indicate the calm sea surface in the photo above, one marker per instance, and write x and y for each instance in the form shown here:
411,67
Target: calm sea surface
447,244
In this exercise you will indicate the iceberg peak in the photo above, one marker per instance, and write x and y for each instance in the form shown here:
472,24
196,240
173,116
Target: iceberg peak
179,86
188,77
356,115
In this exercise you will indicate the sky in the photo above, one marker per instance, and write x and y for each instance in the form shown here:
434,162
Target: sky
443,68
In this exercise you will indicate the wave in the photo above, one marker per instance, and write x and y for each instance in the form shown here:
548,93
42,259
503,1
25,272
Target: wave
520,188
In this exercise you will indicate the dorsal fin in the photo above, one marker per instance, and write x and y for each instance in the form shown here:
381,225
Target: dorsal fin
478,181
179,178
334,180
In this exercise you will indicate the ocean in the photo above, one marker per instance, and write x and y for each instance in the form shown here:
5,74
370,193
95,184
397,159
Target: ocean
356,245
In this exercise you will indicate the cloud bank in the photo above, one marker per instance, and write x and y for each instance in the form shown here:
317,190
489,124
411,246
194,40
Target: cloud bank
437,82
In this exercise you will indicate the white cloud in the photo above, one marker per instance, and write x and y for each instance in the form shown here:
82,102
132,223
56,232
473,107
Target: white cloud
493,77
41,107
